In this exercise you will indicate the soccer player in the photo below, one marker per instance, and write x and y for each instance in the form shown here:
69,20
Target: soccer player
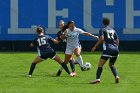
45,51
73,45
110,40
62,45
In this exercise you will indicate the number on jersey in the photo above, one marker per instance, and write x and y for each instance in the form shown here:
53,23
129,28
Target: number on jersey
42,41
110,34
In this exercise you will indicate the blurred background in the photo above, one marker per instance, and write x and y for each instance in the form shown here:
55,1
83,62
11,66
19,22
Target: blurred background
19,18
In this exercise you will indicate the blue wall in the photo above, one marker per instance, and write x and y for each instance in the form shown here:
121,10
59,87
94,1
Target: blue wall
18,18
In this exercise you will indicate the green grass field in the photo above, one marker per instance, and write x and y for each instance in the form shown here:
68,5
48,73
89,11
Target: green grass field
14,68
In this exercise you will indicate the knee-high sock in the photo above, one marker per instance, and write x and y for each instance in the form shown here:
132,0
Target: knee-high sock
32,68
114,71
80,60
99,72
72,65
65,67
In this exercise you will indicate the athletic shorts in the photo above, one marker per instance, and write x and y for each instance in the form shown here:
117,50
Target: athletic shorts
70,50
110,54
45,55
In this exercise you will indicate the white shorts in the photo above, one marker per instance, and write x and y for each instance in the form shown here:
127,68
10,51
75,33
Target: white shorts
70,50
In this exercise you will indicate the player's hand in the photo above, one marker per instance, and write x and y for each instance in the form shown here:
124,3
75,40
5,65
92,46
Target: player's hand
96,37
31,45
93,49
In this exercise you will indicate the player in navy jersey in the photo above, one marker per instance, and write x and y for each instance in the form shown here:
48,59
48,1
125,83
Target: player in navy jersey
110,40
62,45
45,51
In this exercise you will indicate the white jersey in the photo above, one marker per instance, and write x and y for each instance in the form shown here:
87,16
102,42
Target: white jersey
73,38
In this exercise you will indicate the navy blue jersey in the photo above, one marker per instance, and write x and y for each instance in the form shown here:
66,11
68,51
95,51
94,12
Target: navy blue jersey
62,43
42,44
110,36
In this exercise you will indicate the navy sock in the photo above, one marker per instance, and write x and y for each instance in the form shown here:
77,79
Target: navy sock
72,65
114,71
98,73
65,67
32,68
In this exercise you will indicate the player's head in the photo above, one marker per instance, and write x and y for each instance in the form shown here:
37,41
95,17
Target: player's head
39,30
61,24
106,21
71,25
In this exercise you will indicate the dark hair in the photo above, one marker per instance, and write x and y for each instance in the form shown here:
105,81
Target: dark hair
39,29
70,23
106,21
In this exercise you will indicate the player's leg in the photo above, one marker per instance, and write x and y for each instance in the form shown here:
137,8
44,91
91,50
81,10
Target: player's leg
113,68
33,65
72,65
100,69
63,64
68,55
77,52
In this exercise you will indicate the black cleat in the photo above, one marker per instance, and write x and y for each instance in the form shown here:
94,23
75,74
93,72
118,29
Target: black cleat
58,73
82,69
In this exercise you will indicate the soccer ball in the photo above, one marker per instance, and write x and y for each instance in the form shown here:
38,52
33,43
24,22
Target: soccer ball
86,66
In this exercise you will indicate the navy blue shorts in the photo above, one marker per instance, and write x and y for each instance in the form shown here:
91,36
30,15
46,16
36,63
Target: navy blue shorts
110,54
48,54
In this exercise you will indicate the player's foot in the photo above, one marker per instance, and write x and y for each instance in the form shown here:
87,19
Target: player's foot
82,69
58,73
72,74
117,79
95,81
29,76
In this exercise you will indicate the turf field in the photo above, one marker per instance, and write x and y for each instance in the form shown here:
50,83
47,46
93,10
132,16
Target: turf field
14,68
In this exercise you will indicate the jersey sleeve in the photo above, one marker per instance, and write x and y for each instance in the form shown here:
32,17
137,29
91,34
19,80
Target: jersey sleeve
101,32
80,31
49,37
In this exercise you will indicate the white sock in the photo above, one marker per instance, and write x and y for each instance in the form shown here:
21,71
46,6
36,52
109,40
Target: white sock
80,60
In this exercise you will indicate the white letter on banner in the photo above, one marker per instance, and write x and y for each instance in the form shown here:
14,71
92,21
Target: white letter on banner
52,13
88,16
130,13
14,21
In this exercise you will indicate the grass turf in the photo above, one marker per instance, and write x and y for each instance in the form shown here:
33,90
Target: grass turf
14,68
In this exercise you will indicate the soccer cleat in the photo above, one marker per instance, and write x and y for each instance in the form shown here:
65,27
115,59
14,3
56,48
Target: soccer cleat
95,81
117,79
72,74
29,76
82,69
58,73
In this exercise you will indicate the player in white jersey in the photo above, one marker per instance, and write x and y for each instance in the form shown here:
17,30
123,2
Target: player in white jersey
73,44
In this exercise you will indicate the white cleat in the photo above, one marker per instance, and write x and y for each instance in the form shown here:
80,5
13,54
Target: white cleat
29,76
95,81
72,74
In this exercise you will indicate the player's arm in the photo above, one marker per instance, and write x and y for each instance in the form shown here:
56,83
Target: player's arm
89,34
31,45
63,36
116,39
56,40
34,43
100,41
